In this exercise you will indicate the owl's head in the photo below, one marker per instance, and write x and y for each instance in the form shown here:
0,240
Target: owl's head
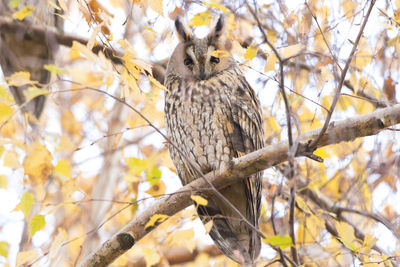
191,58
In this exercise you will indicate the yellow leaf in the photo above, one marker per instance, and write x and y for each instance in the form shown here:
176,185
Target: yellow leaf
57,243
33,92
129,50
54,69
346,234
273,124
151,256
362,58
37,223
4,248
349,8
156,83
367,197
156,219
292,50
369,242
63,5
208,226
324,76
5,112
37,162
24,12
183,238
3,181
63,169
157,6
322,153
70,123
344,103
82,50
303,205
5,95
237,49
251,51
280,241
214,4
219,53
11,160
271,61
14,3
20,78
142,65
26,203
199,200
157,189
26,256
326,101
200,19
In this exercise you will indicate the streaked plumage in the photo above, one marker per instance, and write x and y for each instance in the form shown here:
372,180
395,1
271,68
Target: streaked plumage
213,115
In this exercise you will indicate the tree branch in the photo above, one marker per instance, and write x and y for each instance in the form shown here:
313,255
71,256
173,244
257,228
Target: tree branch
341,131
10,25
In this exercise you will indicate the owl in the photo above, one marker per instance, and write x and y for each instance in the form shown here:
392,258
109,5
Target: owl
212,116
26,51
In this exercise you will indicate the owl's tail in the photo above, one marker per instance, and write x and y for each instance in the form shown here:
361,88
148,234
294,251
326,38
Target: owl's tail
230,233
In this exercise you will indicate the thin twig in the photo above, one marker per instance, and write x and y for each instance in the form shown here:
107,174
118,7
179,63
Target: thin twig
323,36
373,216
281,255
343,76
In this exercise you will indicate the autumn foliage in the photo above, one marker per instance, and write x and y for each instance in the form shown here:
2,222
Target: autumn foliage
97,157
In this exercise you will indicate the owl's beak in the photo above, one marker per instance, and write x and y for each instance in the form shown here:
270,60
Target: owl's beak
202,73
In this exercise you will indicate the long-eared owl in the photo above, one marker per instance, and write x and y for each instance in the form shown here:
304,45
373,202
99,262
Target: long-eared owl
213,115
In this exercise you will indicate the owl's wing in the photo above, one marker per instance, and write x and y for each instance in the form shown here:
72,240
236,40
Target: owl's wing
244,133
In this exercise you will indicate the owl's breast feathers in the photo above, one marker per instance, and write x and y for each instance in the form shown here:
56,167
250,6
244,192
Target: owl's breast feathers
211,122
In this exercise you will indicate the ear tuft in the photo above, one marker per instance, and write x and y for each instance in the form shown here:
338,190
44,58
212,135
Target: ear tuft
216,33
183,33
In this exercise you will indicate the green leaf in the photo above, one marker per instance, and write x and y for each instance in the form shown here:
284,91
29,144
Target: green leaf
4,248
33,92
153,176
26,203
14,3
134,206
37,223
280,241
136,165
54,69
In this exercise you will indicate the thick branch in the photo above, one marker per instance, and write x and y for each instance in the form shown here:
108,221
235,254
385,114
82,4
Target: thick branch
346,130
7,24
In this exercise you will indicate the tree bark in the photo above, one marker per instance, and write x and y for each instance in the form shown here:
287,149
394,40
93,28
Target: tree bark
340,131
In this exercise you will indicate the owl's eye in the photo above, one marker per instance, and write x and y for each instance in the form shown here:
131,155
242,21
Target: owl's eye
214,59
188,61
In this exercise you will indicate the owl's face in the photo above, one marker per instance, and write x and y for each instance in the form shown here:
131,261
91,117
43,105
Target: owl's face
191,58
